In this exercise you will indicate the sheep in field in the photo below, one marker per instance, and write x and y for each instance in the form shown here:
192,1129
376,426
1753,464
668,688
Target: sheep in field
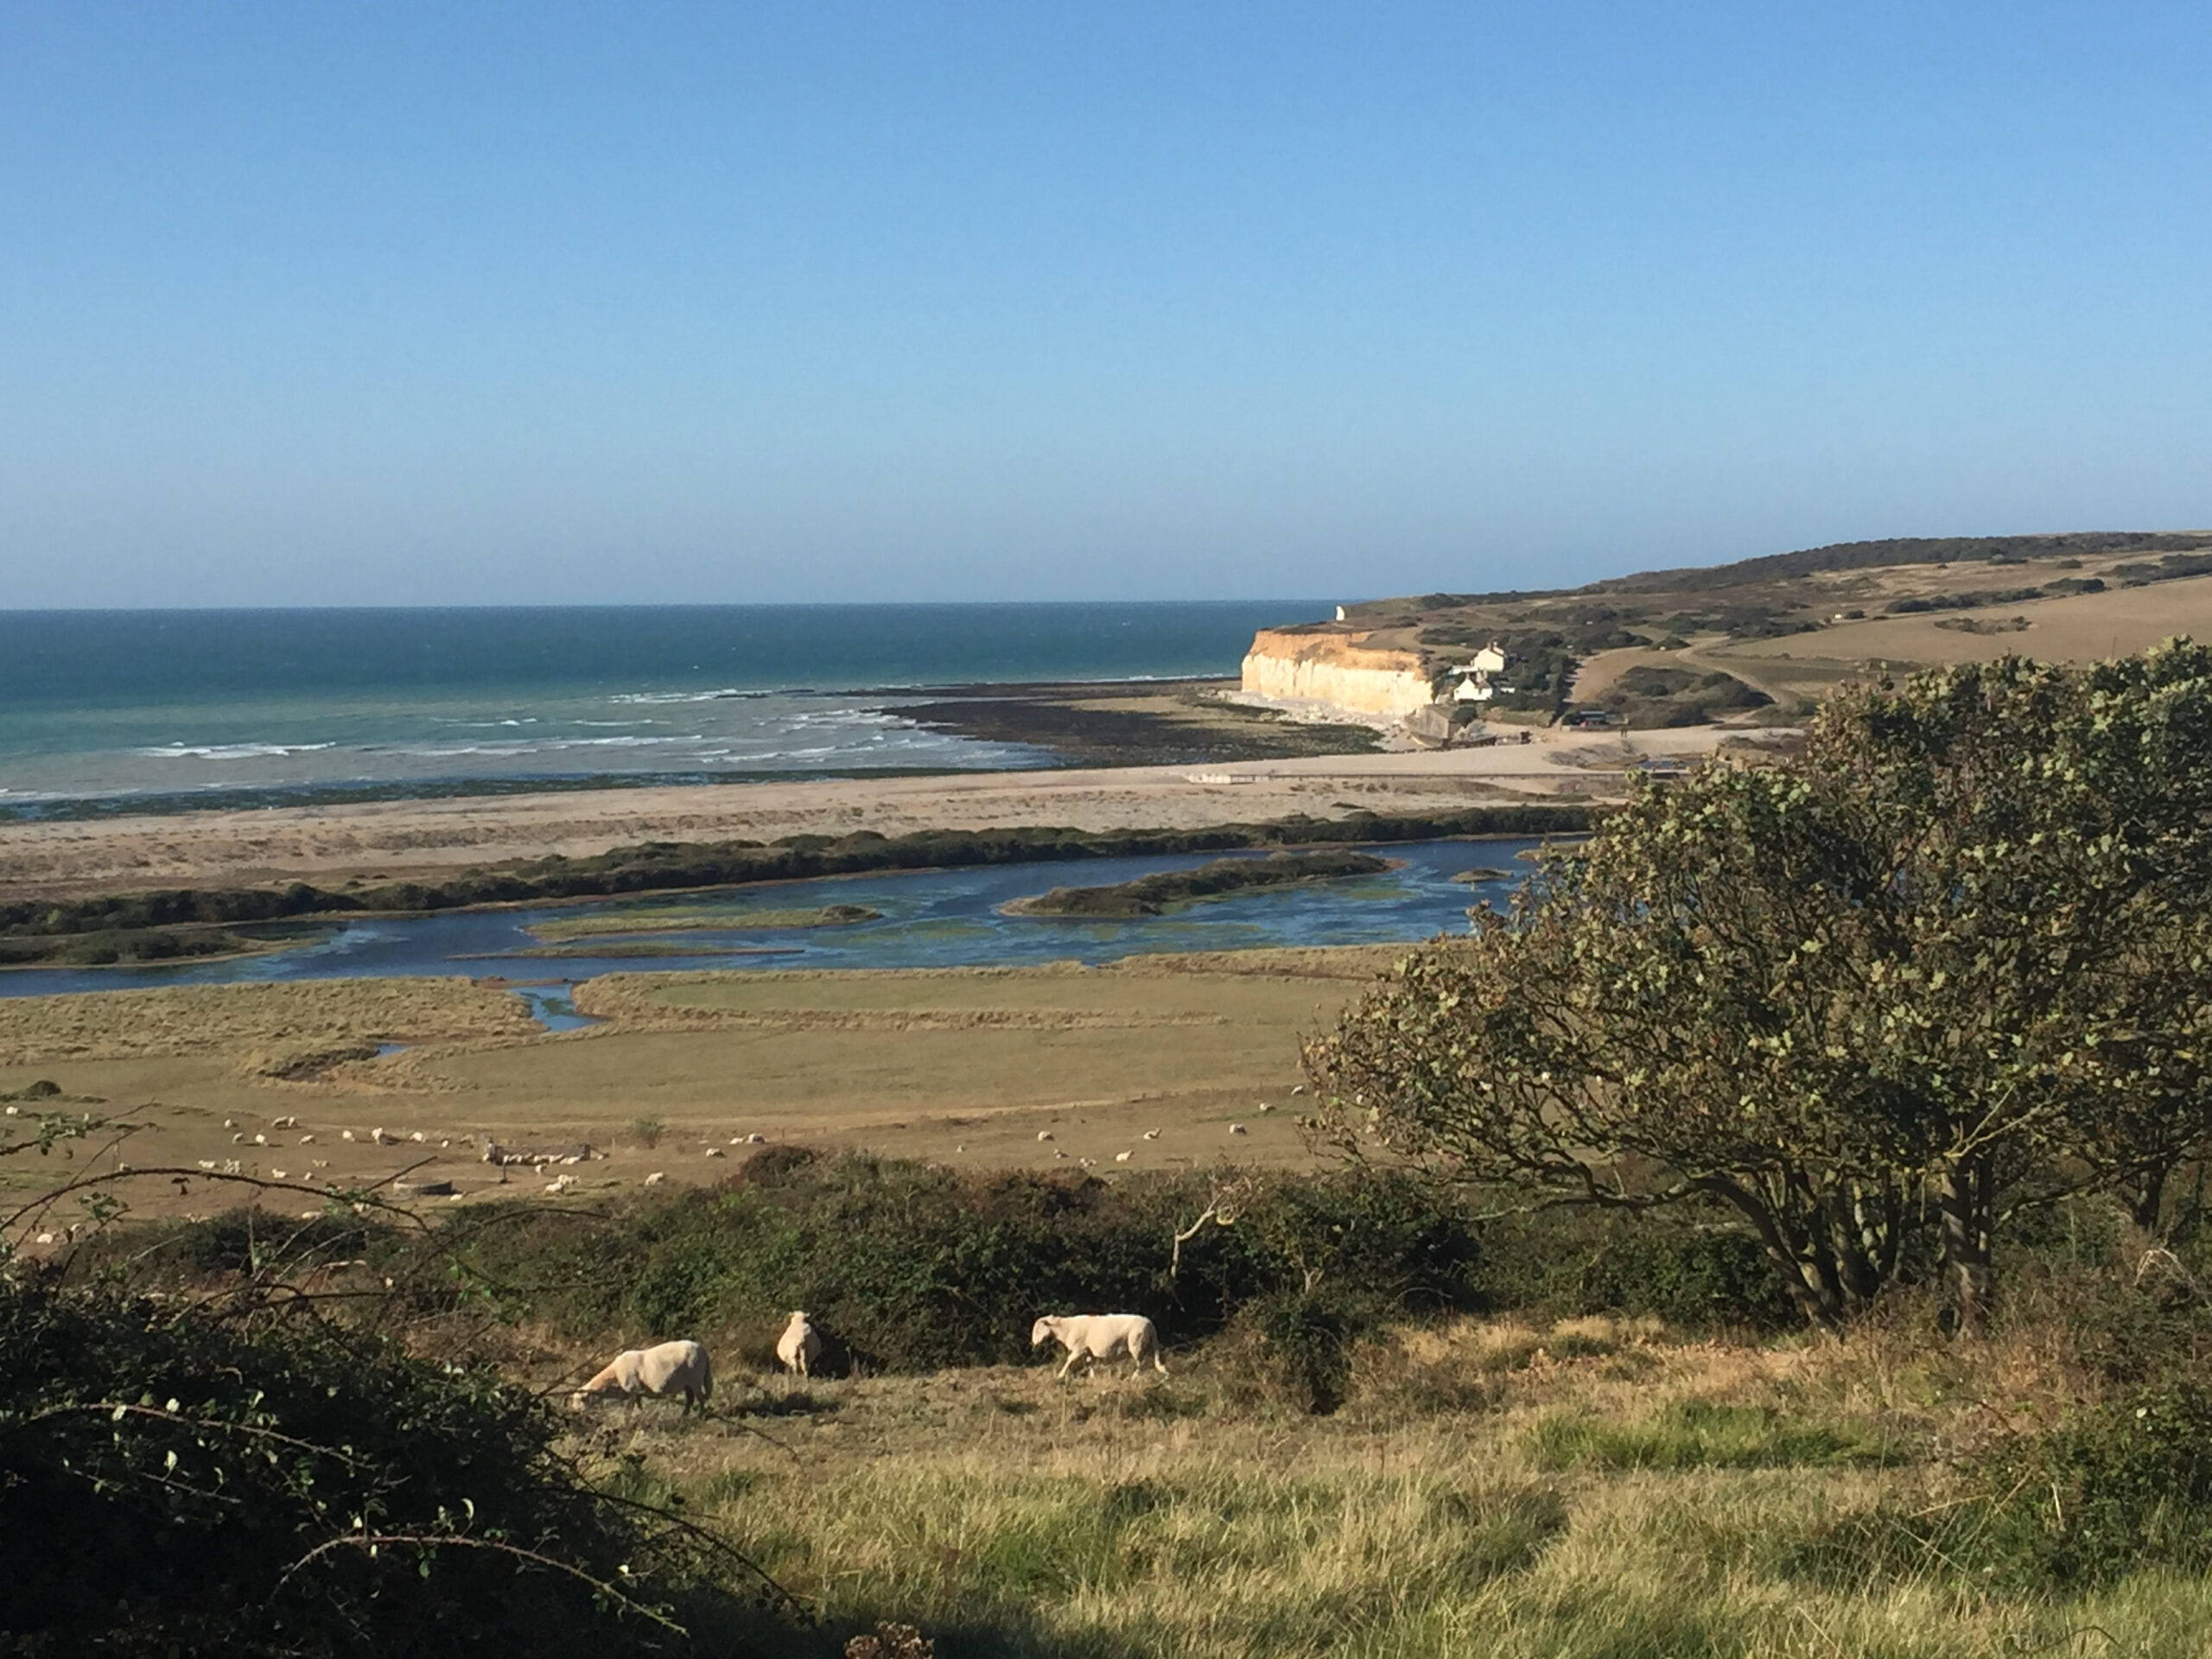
799,1346
1100,1336
669,1368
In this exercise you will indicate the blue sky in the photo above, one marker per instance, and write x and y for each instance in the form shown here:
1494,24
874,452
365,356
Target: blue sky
432,304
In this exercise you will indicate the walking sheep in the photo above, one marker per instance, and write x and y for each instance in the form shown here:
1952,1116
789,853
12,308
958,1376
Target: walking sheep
1100,1336
799,1346
669,1368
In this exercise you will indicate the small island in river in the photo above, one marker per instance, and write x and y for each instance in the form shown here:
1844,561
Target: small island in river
1149,895
692,918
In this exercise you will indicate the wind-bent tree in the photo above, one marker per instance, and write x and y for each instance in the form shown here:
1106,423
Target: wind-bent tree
1954,956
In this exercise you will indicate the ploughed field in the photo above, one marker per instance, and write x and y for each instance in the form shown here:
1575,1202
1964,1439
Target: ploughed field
957,1066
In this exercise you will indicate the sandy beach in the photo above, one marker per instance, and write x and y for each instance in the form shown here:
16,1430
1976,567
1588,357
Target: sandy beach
393,838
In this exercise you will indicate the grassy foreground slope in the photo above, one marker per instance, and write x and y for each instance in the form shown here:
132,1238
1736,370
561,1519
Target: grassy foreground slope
1591,1488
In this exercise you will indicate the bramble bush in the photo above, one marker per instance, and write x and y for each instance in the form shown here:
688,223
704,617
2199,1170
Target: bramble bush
910,1267
171,1484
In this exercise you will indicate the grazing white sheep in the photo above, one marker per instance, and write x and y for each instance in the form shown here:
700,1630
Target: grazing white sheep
799,1346
1043,1134
669,1368
1236,1129
1100,1336
1151,1134
343,1135
1123,1157
654,1179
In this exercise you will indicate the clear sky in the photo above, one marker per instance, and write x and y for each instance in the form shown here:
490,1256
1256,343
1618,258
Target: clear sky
437,303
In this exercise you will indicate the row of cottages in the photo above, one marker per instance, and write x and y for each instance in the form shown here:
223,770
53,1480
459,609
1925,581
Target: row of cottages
1474,685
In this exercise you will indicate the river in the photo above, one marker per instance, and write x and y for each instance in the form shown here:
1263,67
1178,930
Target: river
929,918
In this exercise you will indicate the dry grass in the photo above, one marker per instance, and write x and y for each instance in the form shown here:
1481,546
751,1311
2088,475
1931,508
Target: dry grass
244,1019
2078,628
1005,1515
963,1067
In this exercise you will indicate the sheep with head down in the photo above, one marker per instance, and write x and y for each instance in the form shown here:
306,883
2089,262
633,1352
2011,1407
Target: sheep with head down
1100,1336
664,1368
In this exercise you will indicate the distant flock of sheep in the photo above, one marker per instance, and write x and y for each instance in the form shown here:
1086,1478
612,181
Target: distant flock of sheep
683,1367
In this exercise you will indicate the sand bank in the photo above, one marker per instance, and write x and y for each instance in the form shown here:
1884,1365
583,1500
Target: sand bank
397,838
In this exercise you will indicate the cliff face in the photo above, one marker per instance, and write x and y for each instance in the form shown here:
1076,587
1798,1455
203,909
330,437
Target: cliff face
1336,668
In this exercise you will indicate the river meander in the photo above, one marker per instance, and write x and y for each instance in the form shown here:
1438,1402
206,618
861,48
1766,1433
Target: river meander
928,918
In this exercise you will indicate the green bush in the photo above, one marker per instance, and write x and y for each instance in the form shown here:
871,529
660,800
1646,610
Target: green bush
2127,1485
1308,1340
175,1485
909,1267
1565,1263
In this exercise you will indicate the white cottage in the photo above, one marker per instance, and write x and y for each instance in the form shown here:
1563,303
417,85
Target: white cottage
1474,674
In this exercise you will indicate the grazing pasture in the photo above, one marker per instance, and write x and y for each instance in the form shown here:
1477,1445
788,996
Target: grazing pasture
1153,1056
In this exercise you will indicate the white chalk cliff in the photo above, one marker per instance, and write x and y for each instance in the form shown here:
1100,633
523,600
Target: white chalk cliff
1337,667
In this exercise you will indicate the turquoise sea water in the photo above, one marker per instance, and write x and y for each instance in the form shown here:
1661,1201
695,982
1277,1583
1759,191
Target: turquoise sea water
109,709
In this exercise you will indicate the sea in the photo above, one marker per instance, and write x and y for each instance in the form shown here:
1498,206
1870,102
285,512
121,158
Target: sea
132,711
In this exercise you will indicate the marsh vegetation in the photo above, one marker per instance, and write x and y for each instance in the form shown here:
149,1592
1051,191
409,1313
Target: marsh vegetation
1154,895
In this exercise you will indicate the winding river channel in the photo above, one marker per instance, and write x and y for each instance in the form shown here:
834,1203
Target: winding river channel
926,919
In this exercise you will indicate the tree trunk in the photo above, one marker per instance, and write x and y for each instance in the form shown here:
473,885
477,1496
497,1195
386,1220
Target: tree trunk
2145,1199
1808,1279
1964,1196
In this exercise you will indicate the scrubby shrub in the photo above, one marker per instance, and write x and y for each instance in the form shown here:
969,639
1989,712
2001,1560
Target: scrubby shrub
1307,1339
2125,1485
175,1484
912,1266
1565,1263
